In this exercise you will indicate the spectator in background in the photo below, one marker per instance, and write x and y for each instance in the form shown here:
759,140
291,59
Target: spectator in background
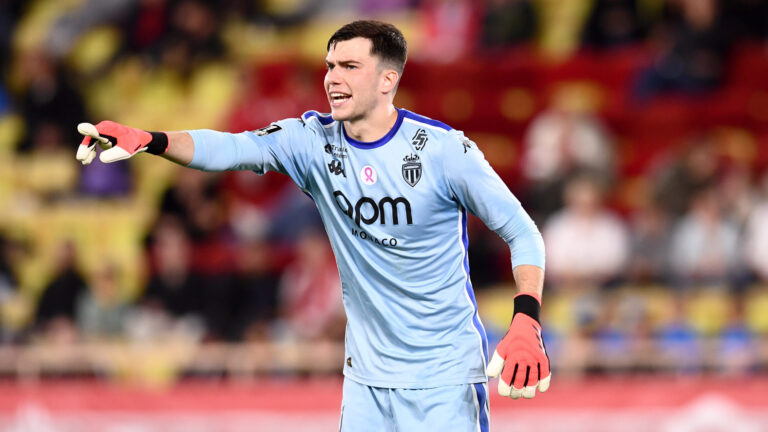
737,347
756,235
67,29
192,37
259,282
10,251
144,25
649,240
101,310
56,309
704,243
737,194
48,103
678,345
448,28
192,200
694,50
506,23
173,290
586,243
751,17
614,23
310,292
563,139
10,13
102,180
697,168
8,280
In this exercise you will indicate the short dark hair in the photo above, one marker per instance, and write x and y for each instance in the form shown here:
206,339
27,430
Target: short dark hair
387,42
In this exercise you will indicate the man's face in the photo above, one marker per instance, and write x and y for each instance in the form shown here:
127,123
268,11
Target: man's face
352,83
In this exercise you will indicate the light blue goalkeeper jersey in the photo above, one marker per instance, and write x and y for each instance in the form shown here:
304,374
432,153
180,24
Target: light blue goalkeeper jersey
396,214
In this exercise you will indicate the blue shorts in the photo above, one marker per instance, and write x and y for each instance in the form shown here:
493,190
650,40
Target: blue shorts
460,408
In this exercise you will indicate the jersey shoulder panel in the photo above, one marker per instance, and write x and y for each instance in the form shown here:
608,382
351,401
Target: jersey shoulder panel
426,122
317,120
293,125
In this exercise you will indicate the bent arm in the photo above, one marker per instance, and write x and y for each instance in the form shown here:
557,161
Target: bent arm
477,187
527,252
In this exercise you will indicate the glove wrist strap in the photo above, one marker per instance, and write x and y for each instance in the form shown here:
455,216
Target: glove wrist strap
159,143
528,305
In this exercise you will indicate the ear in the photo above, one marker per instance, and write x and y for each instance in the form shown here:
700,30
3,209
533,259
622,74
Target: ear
389,80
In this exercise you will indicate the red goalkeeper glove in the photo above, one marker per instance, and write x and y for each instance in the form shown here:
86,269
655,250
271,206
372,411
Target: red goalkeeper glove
118,142
522,349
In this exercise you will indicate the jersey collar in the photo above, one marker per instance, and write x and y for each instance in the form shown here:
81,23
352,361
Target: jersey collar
379,142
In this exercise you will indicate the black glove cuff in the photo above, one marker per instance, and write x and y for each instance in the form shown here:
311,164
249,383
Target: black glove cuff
159,143
528,305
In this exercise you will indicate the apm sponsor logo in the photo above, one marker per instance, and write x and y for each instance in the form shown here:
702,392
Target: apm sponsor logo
368,211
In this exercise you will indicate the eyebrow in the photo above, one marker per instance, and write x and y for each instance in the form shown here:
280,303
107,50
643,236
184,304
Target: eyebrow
343,62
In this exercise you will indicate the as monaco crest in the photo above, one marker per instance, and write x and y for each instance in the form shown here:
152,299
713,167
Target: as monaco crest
412,169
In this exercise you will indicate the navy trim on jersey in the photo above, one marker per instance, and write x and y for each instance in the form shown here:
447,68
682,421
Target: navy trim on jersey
470,291
482,402
379,142
425,120
324,119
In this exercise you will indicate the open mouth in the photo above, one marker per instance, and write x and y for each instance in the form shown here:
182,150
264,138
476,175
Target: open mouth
338,99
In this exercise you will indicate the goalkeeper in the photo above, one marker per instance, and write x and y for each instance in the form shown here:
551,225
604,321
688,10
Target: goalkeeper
393,189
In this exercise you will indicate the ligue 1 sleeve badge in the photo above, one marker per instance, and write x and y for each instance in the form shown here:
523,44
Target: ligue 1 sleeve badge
412,169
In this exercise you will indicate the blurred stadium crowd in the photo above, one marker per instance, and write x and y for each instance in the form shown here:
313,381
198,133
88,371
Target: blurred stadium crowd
634,131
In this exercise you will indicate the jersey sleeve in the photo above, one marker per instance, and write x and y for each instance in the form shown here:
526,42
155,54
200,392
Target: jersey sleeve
283,147
474,184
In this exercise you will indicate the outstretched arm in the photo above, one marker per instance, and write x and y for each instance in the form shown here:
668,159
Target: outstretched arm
181,148
122,142
281,147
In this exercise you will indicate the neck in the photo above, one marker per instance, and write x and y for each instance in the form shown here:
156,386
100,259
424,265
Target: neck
373,126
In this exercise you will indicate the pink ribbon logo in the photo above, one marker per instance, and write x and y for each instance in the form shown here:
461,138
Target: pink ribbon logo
368,175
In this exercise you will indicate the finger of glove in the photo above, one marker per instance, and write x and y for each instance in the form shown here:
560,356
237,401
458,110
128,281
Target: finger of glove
495,366
86,155
92,132
86,151
116,154
504,388
544,383
105,144
529,391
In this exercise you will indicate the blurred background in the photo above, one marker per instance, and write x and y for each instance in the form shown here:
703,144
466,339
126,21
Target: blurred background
141,296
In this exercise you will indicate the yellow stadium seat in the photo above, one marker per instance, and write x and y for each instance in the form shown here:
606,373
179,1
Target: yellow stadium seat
756,310
709,310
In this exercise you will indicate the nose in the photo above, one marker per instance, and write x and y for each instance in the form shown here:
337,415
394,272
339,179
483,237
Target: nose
331,78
